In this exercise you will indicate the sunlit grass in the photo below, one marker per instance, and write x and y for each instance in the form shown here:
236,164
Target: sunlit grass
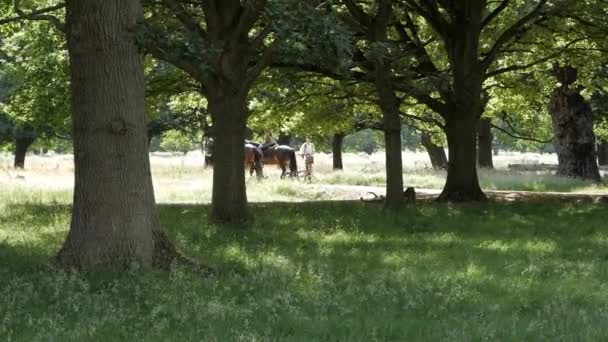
178,178
316,272
489,180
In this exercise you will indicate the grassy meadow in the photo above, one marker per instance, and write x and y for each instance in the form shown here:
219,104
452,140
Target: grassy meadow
183,179
315,271
324,272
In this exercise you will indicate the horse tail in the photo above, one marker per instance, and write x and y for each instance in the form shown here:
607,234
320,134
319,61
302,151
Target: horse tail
258,160
293,164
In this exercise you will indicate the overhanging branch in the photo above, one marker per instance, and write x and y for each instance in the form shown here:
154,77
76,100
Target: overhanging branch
41,14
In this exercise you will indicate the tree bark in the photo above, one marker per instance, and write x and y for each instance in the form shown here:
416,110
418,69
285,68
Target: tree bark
484,143
462,183
391,120
464,103
22,144
337,142
572,121
114,218
436,153
229,196
602,153
284,139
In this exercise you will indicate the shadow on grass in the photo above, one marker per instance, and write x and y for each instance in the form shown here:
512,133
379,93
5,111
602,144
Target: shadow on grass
319,271
296,229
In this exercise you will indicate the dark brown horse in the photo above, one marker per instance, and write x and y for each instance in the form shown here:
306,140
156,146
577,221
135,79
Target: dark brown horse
283,156
253,159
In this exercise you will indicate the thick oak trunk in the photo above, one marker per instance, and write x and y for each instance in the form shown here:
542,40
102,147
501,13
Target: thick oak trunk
22,144
229,196
436,153
336,150
484,144
462,183
391,121
394,167
572,121
602,153
114,218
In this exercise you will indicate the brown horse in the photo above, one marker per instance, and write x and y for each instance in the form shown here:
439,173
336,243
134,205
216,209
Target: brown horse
253,159
283,156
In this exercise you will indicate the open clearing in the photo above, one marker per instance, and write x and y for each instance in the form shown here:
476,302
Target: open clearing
532,270
183,179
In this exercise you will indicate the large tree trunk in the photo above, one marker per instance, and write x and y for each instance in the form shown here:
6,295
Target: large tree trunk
602,153
22,144
484,143
391,120
336,151
436,153
114,218
572,120
462,183
229,196
464,102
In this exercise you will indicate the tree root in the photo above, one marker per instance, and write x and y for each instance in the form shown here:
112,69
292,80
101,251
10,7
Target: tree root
459,197
166,255
409,195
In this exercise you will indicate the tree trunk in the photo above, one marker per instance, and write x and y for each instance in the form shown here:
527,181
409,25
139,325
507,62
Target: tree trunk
602,153
391,119
336,152
22,144
436,153
462,183
114,218
484,144
394,167
572,121
284,139
229,196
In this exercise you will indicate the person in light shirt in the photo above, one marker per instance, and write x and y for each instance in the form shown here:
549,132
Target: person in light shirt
307,151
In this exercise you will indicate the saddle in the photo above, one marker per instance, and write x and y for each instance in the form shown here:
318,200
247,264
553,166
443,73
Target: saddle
265,147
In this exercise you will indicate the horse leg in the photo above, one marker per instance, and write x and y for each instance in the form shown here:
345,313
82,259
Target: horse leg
283,172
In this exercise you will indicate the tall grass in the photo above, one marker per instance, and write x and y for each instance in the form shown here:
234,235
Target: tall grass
178,178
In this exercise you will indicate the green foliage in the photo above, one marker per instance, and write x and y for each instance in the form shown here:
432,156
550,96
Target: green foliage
368,141
176,141
36,66
287,101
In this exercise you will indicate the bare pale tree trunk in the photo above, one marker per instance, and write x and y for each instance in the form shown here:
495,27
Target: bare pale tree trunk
436,153
114,218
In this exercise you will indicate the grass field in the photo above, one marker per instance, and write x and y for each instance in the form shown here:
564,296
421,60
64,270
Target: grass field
179,179
325,272
315,271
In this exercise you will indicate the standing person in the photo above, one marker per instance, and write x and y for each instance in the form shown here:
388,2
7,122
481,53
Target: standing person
307,150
